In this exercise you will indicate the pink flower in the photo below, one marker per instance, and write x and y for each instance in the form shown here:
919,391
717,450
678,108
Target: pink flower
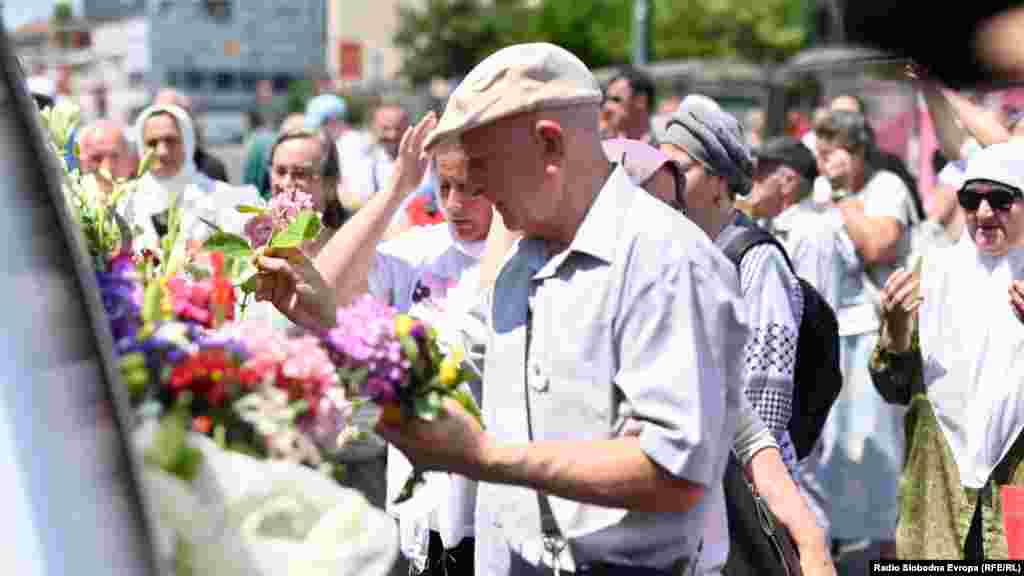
259,229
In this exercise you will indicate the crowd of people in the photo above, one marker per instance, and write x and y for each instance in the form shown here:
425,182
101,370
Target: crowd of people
628,353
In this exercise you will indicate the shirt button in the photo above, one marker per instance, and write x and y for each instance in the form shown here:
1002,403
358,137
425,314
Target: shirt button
537,381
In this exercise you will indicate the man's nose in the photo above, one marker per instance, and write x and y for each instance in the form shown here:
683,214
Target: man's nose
985,209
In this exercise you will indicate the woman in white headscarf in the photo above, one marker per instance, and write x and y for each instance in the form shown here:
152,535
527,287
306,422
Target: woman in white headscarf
167,134
961,370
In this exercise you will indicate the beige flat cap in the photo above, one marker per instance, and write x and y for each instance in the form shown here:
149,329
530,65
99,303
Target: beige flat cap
515,80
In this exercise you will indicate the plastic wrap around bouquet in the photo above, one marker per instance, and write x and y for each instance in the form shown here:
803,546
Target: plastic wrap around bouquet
396,361
243,516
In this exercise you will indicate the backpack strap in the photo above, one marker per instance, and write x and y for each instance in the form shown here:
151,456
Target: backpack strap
742,236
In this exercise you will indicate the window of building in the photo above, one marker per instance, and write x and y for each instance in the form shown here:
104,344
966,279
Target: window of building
225,81
249,81
194,79
173,78
218,9
281,82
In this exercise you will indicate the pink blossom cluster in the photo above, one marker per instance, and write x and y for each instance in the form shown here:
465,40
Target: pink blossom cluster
365,337
283,208
300,366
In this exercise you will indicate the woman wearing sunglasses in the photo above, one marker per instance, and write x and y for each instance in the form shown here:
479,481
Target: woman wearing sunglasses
952,351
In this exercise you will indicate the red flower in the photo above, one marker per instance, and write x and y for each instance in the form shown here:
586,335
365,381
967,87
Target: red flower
202,424
208,373
422,211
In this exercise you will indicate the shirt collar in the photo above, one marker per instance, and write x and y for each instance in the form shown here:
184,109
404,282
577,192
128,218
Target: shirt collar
599,233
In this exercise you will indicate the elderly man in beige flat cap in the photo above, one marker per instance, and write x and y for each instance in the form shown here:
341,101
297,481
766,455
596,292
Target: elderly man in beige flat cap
611,375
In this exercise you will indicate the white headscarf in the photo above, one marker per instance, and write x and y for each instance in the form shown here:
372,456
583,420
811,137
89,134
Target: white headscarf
186,175
971,341
154,194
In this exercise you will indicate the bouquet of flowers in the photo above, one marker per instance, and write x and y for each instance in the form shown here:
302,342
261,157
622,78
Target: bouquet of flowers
94,209
232,422
289,221
396,361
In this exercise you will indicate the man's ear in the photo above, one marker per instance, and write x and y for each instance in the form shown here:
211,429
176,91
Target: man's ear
641,102
552,140
723,198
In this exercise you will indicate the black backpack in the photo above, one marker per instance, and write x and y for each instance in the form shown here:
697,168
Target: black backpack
817,377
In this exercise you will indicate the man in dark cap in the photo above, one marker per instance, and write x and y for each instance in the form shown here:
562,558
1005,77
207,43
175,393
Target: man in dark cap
784,175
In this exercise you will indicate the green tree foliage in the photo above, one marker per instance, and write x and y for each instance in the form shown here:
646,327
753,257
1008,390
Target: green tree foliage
759,31
448,37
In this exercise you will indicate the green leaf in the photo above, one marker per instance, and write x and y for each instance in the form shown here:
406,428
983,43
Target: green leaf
231,245
429,406
466,400
151,303
305,227
409,348
170,450
220,436
247,209
250,285
414,481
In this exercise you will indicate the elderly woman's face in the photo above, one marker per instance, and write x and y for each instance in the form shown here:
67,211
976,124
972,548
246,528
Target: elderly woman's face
161,136
995,216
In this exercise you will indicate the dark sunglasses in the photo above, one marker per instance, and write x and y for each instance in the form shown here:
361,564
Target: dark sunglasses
1000,198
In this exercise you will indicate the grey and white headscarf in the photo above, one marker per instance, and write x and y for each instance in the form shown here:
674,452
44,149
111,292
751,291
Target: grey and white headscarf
714,138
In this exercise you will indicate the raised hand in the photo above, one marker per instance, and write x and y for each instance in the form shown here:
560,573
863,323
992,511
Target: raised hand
411,163
1017,298
901,297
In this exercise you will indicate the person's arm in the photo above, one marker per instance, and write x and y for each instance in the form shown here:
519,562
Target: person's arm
950,134
346,261
983,124
956,118
776,487
772,295
876,238
756,450
613,473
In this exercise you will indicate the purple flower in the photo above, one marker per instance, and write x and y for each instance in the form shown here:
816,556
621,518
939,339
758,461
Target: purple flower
122,298
381,390
364,337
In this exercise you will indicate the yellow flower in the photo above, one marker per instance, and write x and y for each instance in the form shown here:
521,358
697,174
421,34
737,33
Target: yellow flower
449,372
403,325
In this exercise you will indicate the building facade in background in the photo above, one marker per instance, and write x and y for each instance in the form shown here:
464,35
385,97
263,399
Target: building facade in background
217,51
360,47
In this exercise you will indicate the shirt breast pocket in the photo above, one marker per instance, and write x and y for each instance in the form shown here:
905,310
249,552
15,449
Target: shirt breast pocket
577,408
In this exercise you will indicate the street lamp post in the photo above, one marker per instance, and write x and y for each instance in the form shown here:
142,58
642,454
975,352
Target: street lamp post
641,13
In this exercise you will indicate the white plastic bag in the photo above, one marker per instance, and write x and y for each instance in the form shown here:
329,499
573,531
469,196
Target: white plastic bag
242,516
